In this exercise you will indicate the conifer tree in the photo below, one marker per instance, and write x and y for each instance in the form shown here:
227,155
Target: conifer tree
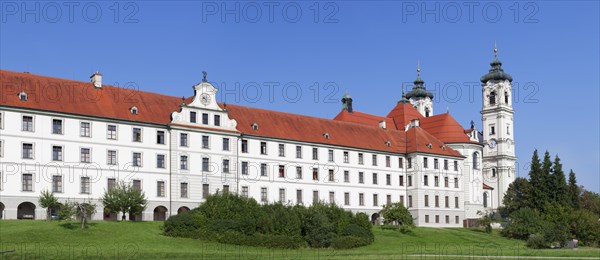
537,182
559,190
573,191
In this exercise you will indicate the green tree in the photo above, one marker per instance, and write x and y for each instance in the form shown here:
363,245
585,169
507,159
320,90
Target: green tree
590,201
547,181
486,220
123,199
559,189
573,191
48,201
516,196
67,210
84,211
397,214
537,190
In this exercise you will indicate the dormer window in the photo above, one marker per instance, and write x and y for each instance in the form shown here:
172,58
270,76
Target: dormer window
443,147
23,96
326,135
254,126
134,110
429,146
388,143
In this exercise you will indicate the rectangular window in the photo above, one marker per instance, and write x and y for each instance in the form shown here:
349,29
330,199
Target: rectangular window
436,164
388,161
298,172
225,144
315,196
244,168
361,199
57,153
217,119
436,181
263,169
86,155
446,182
299,196
281,171
402,199
409,163
282,195
205,142
456,183
1,151
205,190
160,161
401,180
244,146
437,201
332,197
27,182
193,117
85,129
400,162
374,158
27,124
57,126
425,162
410,181
160,137
388,179
137,135
85,185
111,157
183,190
245,191
205,118
347,198
456,202
225,166
183,162
447,202
160,189
456,220
426,200
447,219
111,132
315,153
346,157
57,184
205,163
361,159
315,174
225,189
263,195
375,179
111,183
437,218
330,152
361,177
426,180
455,165
281,150
346,176
375,200
137,159
388,199
263,147
183,139
410,202
446,165
330,176
299,152
426,218
492,130
137,184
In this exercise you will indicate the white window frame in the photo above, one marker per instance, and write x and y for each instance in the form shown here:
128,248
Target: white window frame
62,126
32,123
116,132
81,154
81,129
62,153
89,185
32,151
116,157
141,134
164,161
133,159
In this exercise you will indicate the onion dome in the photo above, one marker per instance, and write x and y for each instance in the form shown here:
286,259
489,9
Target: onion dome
418,90
496,72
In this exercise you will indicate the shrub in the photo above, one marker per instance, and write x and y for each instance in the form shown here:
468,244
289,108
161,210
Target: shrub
347,242
358,231
362,220
523,223
183,225
536,241
318,230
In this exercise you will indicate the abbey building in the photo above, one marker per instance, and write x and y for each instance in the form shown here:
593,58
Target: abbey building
78,139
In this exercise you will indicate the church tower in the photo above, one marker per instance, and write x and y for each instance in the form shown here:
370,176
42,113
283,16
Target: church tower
498,136
419,97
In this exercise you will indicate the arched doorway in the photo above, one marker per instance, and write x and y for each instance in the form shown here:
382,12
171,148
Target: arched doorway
54,211
1,210
110,216
160,213
26,210
375,218
183,209
485,200
137,217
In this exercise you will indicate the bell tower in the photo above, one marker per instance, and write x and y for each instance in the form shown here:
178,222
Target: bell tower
498,136
419,97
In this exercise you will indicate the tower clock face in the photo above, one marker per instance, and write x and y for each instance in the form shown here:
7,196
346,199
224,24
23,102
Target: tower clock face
205,99
492,144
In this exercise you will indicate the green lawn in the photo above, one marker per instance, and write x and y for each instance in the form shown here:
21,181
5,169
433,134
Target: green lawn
139,240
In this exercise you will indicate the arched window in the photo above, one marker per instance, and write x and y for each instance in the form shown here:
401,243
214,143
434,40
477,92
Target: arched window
493,172
475,160
426,112
485,203
506,98
493,98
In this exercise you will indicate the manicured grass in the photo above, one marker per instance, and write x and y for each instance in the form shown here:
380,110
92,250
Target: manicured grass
139,240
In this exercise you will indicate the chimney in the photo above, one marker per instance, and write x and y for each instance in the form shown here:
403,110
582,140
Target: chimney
382,124
96,79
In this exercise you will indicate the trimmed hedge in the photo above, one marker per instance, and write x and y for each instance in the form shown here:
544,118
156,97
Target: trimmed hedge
232,219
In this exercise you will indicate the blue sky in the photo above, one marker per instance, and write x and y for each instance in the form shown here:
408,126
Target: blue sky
292,58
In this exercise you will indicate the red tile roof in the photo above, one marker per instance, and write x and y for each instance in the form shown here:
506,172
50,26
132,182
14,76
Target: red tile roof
486,187
445,128
81,98
363,118
402,114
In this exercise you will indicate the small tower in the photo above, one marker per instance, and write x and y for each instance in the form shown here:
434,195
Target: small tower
497,118
419,97
347,102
